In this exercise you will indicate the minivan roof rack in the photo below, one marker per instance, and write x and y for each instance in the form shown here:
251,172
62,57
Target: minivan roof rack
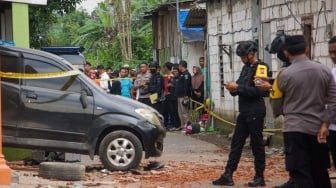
63,49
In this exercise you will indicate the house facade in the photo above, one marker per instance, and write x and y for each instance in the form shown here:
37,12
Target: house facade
170,37
229,22
14,20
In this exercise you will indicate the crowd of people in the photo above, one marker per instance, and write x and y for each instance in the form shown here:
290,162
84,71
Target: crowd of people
168,89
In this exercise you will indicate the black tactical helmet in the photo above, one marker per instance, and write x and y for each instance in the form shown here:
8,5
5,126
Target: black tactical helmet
277,44
153,64
245,47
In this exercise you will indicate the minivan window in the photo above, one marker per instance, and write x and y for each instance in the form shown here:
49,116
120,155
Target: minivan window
74,59
67,83
9,64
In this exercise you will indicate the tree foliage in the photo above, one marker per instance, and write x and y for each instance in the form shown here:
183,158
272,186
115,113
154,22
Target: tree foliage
122,14
99,31
124,45
42,17
101,34
98,35
65,30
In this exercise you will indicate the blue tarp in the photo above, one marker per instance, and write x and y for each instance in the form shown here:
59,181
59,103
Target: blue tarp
194,34
7,43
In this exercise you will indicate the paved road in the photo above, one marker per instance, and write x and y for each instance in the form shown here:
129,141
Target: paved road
179,150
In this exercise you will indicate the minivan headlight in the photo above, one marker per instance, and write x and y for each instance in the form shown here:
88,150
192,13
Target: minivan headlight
149,115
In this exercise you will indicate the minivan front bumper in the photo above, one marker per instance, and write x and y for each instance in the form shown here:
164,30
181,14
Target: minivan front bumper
153,140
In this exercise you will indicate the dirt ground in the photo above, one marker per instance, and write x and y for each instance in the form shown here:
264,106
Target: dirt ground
197,166
220,140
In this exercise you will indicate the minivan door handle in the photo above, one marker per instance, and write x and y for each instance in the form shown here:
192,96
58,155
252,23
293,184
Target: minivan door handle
31,96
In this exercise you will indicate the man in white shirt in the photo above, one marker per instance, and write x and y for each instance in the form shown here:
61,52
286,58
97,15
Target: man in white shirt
104,77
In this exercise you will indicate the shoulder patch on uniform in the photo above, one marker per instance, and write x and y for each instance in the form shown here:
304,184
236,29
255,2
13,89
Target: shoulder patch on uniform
186,76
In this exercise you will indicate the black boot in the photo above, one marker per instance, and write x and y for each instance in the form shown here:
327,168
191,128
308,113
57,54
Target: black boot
225,179
257,181
289,184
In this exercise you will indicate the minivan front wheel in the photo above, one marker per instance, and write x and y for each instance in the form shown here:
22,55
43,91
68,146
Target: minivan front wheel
120,150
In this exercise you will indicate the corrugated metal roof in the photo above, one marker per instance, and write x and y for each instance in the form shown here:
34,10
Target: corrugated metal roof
166,6
197,17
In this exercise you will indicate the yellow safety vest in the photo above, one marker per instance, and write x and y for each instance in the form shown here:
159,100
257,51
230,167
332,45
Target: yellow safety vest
276,93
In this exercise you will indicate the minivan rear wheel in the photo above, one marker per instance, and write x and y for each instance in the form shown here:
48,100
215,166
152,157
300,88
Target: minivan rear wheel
120,150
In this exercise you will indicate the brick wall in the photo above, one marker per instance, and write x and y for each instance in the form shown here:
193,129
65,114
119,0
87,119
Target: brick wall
236,24
244,20
278,14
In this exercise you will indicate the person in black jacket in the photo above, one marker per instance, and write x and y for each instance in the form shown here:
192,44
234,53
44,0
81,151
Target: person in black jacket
114,85
250,121
183,93
156,86
176,119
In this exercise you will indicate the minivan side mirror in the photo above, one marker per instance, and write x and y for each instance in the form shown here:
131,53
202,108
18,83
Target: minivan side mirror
83,98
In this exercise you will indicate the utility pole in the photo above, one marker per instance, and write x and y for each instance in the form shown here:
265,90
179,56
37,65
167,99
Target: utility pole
178,52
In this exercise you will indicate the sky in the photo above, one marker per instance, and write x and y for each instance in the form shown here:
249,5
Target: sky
89,5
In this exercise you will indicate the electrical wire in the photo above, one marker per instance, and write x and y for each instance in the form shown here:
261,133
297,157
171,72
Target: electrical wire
324,12
233,32
323,5
291,12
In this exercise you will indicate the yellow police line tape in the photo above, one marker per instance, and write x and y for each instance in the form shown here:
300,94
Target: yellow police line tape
77,72
46,75
38,75
128,78
213,114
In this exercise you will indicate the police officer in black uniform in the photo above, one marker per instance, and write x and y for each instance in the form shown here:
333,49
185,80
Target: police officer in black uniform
183,93
250,121
156,85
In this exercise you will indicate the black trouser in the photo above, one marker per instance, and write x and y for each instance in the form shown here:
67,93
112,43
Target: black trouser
248,124
145,101
307,160
170,112
158,106
332,145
